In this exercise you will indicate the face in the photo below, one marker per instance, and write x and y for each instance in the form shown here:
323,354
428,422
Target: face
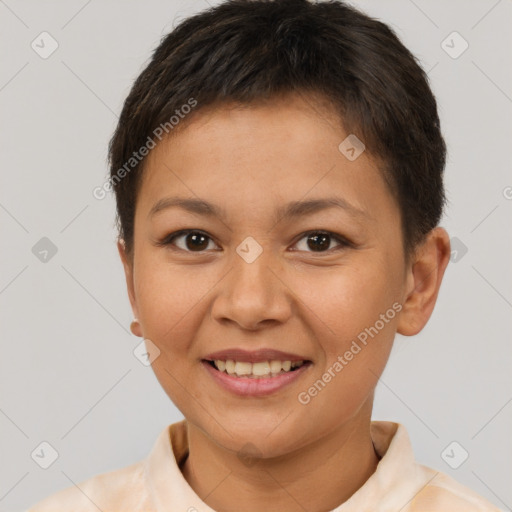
297,257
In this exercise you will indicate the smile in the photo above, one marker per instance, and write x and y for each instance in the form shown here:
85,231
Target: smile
257,379
260,370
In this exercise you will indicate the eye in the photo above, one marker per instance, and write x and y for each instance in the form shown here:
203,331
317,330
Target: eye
320,241
189,240
193,240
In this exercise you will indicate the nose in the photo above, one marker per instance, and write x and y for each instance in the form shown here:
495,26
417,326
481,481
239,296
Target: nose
253,295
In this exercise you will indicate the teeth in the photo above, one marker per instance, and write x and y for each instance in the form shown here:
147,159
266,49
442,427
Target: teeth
230,366
243,368
275,366
259,369
256,370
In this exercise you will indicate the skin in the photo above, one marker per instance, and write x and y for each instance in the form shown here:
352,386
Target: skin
250,161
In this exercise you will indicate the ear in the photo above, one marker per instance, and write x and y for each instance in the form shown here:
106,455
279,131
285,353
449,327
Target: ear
423,281
128,272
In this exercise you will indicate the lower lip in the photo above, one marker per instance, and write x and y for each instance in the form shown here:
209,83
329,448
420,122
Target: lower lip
246,386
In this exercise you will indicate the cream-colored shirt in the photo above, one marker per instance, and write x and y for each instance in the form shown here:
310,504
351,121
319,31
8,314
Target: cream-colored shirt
156,483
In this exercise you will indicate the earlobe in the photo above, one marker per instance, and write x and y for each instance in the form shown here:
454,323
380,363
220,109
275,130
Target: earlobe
128,271
424,281
135,328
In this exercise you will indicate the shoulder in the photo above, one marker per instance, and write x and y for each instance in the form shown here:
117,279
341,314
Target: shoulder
444,493
403,484
121,489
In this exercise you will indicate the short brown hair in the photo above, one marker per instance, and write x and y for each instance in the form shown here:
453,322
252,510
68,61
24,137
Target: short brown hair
248,50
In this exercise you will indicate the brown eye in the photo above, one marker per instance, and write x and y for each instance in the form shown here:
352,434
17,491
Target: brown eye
196,241
320,241
189,241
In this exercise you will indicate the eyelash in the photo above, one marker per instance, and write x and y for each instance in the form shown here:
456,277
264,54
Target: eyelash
168,240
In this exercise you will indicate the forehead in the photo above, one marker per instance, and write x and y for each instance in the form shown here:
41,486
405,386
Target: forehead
252,156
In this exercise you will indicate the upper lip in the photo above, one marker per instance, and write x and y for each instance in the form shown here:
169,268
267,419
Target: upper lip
254,356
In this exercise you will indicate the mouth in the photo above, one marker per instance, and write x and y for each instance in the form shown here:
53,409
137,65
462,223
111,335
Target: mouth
257,374
259,370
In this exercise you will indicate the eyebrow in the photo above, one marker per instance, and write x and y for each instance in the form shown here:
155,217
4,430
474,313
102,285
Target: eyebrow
291,210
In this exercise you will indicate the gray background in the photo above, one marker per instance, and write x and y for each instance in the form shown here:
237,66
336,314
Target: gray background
68,373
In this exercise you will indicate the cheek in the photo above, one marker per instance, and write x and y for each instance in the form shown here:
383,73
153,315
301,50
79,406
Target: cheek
171,301
355,306
349,299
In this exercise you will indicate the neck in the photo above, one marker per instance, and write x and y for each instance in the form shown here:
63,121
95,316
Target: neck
318,477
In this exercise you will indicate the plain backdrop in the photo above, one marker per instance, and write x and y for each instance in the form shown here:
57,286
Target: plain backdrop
68,373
